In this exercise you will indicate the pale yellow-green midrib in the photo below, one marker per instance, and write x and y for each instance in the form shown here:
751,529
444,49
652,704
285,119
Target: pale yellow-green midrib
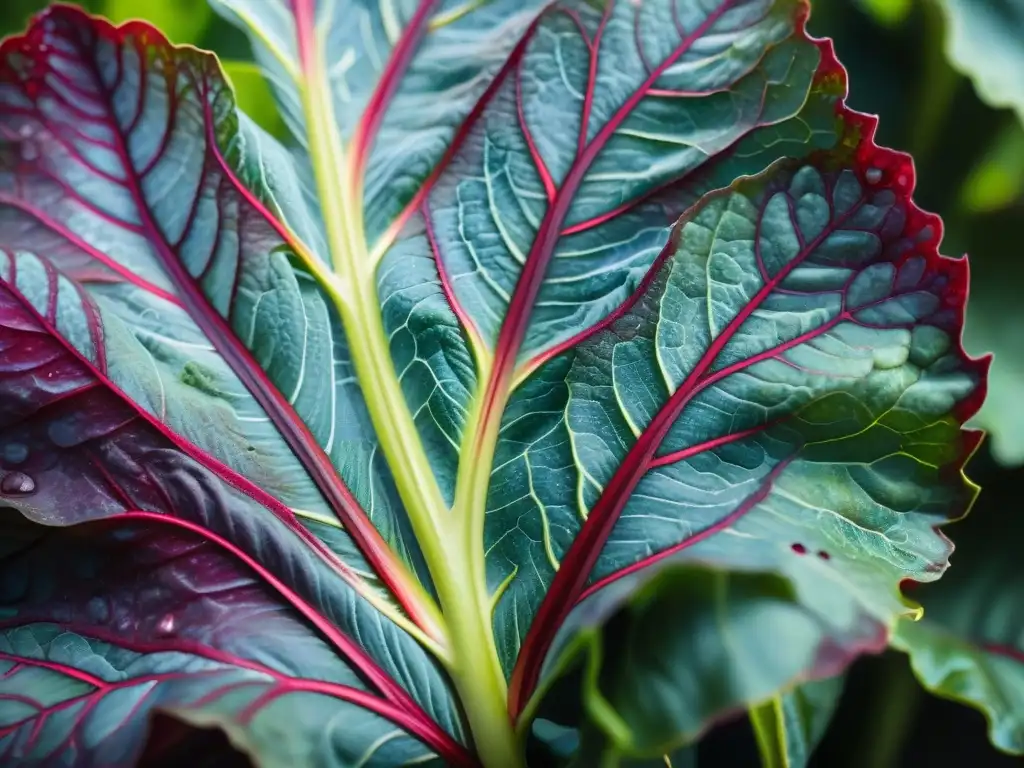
451,541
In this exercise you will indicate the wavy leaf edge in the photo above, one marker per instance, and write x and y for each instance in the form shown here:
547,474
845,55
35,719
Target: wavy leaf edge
867,155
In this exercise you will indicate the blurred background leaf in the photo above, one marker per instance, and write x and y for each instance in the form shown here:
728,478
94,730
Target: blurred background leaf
254,96
183,21
997,181
986,43
888,13
970,645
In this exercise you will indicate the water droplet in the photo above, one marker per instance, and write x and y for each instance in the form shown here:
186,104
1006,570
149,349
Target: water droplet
15,453
800,549
873,175
166,625
17,483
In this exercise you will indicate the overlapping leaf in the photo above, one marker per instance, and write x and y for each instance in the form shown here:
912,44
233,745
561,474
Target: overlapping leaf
678,630
83,451
970,645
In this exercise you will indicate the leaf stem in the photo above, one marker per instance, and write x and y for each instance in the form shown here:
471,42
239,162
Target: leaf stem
352,289
769,729
451,543
504,747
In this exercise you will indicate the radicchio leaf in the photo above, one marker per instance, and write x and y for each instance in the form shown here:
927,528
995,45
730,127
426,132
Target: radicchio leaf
543,304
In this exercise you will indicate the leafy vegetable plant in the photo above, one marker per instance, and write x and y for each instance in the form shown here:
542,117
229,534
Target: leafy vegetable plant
577,373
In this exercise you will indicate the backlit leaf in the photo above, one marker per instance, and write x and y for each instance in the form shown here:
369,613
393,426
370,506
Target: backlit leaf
544,321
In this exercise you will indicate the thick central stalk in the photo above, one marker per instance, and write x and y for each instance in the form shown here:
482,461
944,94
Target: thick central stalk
452,543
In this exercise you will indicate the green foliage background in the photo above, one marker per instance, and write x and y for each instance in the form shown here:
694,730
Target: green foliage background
947,79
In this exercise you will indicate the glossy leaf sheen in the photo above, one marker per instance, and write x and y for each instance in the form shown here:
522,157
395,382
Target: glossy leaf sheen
545,316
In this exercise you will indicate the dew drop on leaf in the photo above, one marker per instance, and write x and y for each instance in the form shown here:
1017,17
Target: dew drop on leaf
873,175
17,483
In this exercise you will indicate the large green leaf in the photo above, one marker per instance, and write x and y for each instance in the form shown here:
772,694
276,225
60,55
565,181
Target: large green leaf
450,374
970,645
